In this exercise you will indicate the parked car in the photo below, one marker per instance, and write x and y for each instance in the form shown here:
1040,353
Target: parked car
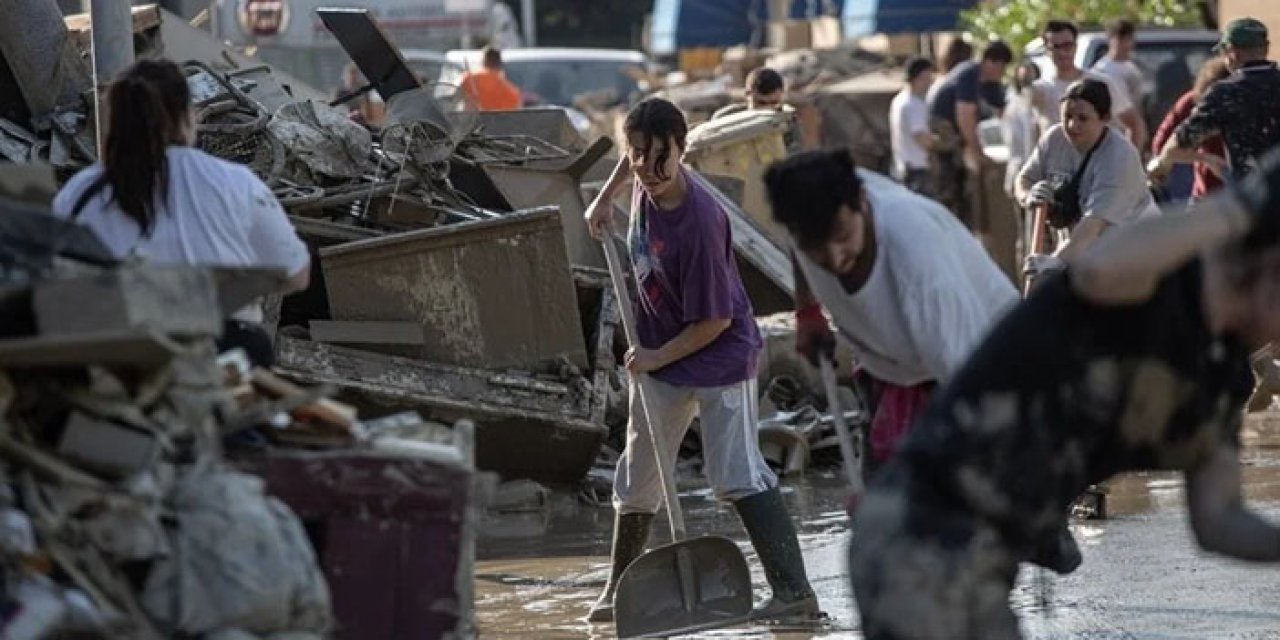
430,66
549,76
1169,60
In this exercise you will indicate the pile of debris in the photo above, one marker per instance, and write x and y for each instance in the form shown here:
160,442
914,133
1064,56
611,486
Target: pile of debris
148,486
120,517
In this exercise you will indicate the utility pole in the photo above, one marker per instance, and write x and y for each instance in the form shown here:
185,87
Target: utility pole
112,47
528,22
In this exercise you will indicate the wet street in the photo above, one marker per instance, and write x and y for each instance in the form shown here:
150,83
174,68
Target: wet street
1142,577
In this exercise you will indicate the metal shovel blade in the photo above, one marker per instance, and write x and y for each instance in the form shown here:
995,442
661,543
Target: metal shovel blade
692,585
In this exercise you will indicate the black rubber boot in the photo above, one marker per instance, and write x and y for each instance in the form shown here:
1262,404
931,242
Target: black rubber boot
774,537
630,535
1058,552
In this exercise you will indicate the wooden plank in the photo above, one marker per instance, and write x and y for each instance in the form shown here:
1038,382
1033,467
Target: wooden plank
81,26
411,383
133,349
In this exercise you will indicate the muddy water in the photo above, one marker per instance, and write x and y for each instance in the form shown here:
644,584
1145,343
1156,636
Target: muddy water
1143,576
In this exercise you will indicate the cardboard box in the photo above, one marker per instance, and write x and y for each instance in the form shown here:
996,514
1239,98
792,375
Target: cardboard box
788,35
824,33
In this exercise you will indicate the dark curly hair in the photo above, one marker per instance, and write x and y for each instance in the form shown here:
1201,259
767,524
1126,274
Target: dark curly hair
807,190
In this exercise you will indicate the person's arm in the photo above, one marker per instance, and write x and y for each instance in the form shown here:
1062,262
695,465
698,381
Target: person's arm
967,121
1180,112
274,241
968,93
918,124
1219,519
599,213
803,294
1206,120
1032,172
1083,235
1137,127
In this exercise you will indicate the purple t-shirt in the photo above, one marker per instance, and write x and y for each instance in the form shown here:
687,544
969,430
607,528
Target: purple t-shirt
685,267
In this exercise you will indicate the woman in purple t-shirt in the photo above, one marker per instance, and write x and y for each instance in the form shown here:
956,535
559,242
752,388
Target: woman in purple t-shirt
699,343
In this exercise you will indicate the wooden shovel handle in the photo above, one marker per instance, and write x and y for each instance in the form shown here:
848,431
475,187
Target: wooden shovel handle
1038,231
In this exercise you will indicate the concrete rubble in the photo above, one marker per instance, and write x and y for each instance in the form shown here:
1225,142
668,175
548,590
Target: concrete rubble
119,514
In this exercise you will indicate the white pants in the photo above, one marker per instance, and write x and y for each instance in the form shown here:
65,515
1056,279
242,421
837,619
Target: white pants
730,443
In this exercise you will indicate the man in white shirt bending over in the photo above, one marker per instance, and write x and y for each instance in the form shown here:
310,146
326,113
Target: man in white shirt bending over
1060,41
905,282
909,133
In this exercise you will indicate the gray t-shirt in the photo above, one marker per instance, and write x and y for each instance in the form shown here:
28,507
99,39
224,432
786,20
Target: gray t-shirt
1114,185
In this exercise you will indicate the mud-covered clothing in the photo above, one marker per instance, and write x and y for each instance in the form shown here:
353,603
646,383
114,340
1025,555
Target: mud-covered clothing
1243,109
1065,394
727,417
686,273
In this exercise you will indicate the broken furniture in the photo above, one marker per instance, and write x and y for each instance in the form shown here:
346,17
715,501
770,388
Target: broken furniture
512,338
465,284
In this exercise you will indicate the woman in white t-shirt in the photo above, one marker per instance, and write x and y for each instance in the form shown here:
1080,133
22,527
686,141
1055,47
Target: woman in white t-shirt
1088,174
154,197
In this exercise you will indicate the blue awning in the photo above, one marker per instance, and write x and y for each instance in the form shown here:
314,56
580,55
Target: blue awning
683,24
867,17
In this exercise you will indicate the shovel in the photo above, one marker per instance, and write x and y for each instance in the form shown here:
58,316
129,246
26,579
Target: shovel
690,584
850,448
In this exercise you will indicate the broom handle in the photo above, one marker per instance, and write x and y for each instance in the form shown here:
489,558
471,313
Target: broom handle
665,472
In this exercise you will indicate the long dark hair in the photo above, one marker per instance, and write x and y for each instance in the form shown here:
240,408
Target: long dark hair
657,119
147,110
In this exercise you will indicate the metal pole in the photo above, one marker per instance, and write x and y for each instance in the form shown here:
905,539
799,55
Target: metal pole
528,20
112,48
112,37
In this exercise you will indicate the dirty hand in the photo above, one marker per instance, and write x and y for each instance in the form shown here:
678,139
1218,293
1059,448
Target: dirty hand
813,335
1216,163
1040,193
641,360
1158,169
972,159
1037,265
599,217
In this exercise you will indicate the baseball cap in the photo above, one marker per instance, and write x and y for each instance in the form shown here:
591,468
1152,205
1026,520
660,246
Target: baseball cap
1246,33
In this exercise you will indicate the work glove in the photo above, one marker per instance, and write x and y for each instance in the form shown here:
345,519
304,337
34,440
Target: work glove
813,335
1040,193
1259,195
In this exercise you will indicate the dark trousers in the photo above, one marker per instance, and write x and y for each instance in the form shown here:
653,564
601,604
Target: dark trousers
251,337
917,180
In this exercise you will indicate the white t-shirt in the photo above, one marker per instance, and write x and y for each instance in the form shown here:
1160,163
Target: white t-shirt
217,213
1125,74
1113,186
908,116
1051,89
932,295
